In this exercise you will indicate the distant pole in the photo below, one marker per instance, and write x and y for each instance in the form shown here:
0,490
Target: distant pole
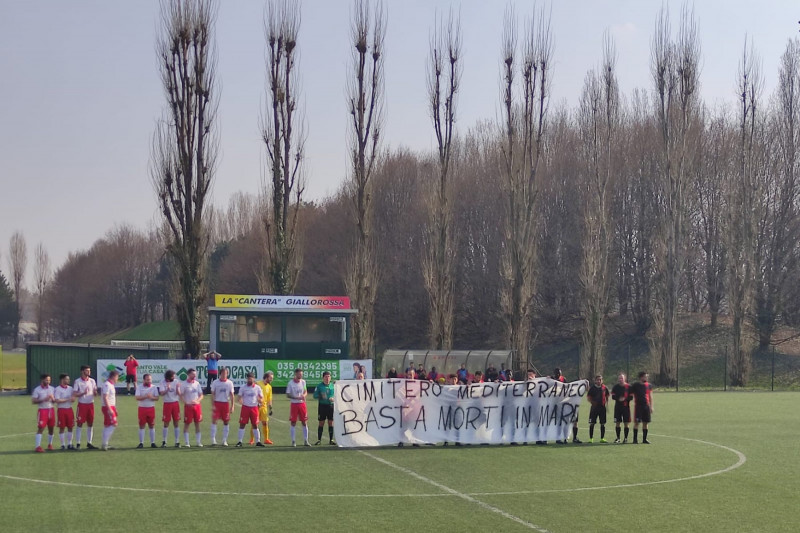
628,362
772,385
677,367
725,371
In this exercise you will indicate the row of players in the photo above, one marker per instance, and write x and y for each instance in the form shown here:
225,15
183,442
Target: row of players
55,407
256,407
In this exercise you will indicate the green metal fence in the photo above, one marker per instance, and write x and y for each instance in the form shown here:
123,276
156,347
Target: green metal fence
58,358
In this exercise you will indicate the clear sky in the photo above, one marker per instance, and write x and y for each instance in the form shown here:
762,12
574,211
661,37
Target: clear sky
80,93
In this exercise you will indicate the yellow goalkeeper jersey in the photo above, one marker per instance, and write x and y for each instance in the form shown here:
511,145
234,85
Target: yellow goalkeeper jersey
266,388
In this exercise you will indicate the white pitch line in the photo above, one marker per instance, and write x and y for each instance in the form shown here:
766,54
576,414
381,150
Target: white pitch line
455,492
742,460
448,492
218,493
17,435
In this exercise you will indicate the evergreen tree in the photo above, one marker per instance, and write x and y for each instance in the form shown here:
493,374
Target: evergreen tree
8,310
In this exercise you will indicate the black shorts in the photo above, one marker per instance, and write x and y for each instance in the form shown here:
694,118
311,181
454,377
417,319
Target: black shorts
597,411
643,413
622,413
130,378
325,412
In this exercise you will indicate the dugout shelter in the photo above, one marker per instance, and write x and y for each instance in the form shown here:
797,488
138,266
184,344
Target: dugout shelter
284,331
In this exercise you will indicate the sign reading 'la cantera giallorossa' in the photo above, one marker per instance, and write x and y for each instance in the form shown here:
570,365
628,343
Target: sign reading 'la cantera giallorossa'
281,302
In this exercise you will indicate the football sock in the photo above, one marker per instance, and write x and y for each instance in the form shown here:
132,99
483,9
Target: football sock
141,436
69,438
89,434
38,440
635,434
78,432
213,432
252,435
152,434
257,433
618,432
107,434
197,437
330,432
627,430
178,434
292,432
602,431
61,438
50,439
319,433
644,434
574,432
186,437
265,431
241,434
305,433
164,434
225,430
591,431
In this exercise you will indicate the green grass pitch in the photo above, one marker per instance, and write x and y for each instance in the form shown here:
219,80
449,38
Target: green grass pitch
12,370
718,462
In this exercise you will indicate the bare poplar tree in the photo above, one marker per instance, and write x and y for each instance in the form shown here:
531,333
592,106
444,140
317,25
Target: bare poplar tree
42,274
17,264
779,227
365,94
599,123
675,71
743,218
184,151
284,138
710,209
444,77
635,208
524,106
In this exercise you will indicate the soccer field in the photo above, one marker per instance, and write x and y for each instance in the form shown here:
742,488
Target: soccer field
718,462
12,370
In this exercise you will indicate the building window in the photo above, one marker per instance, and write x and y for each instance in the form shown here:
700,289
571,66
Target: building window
315,329
249,328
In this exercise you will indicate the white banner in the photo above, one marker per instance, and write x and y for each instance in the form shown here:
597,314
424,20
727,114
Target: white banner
389,411
156,368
